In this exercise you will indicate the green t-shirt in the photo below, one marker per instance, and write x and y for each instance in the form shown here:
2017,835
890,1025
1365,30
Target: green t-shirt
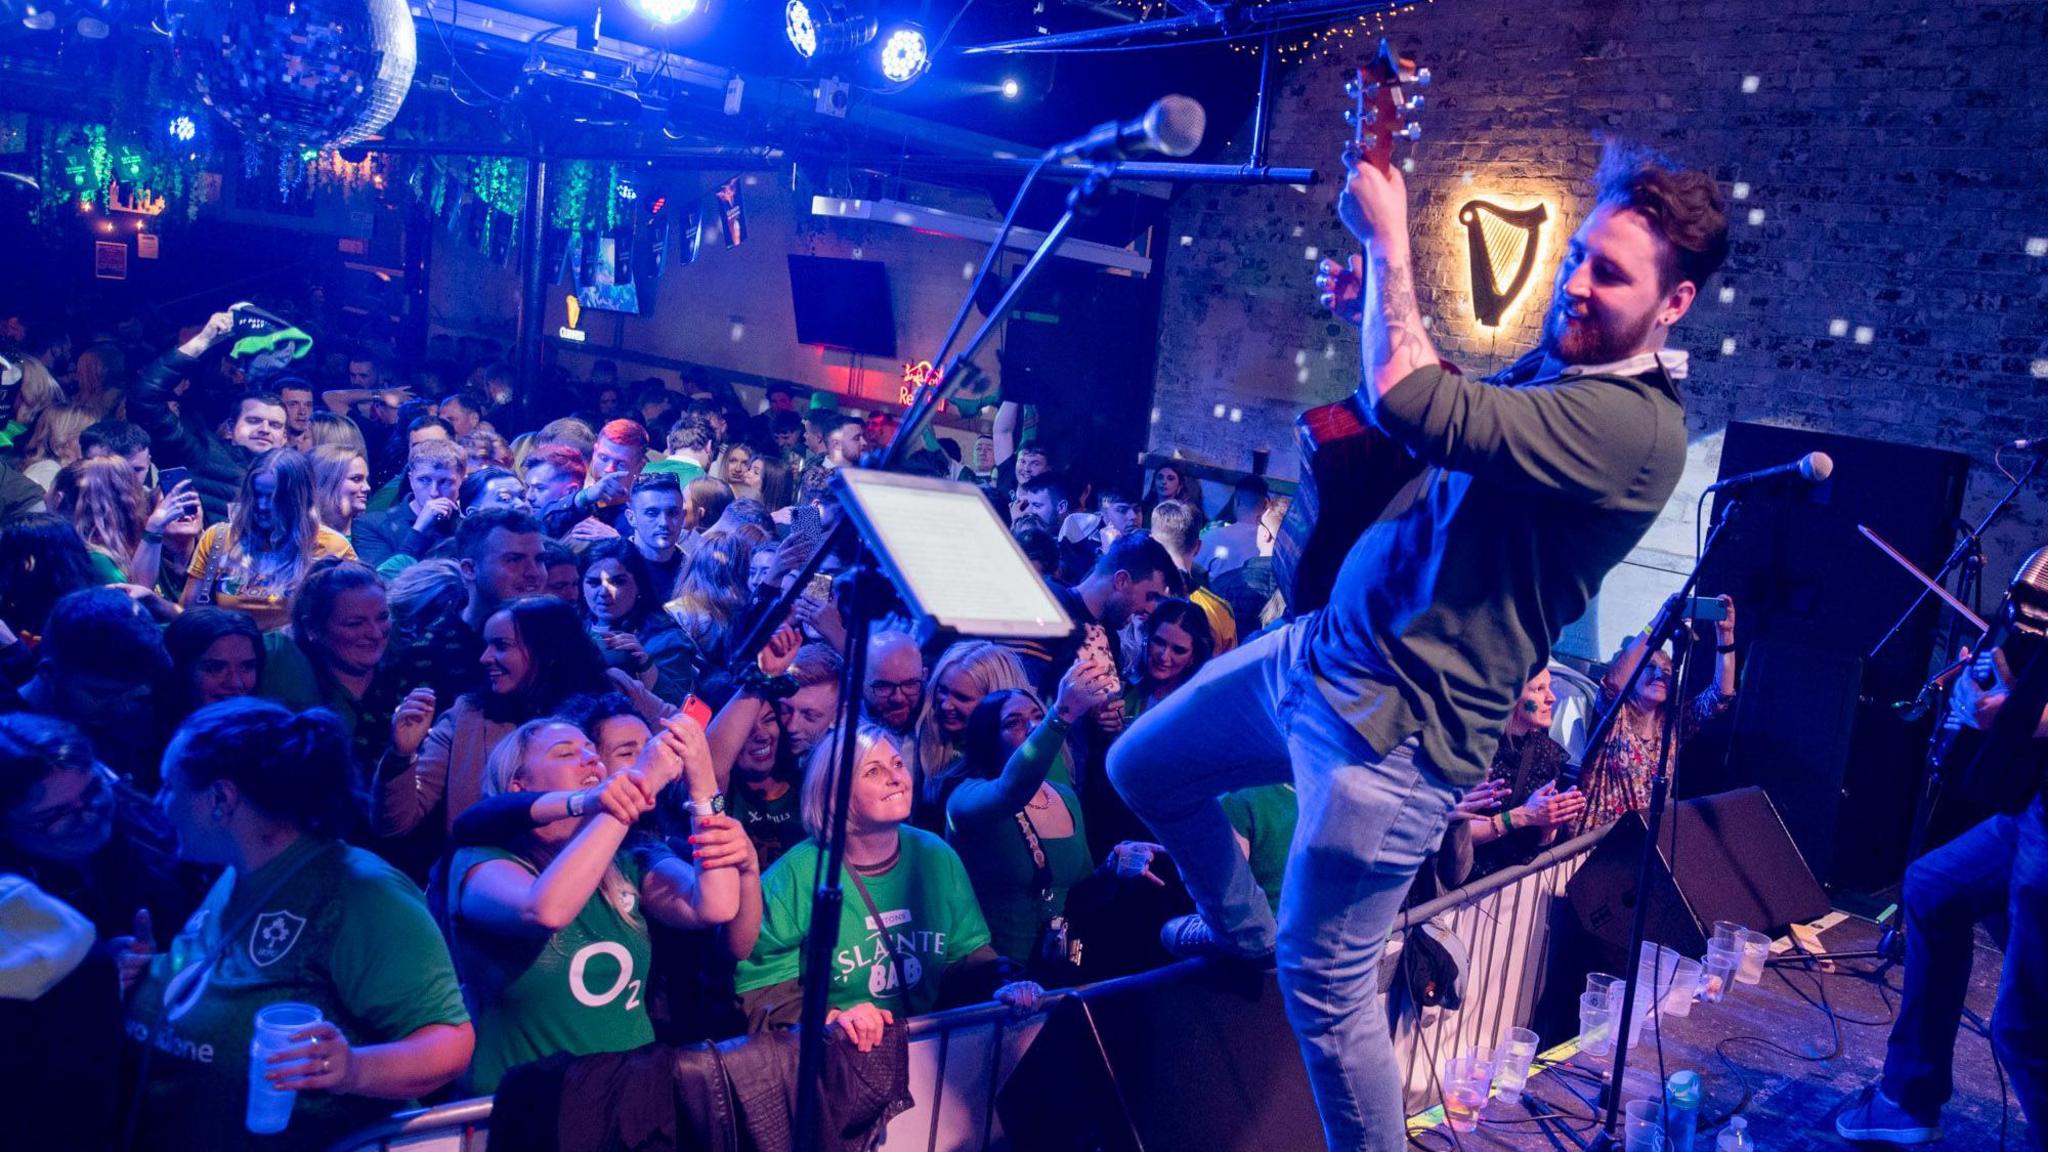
342,931
929,919
580,990
1265,816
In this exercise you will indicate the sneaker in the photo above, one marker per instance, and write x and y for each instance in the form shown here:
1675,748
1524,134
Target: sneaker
1190,936
1874,1117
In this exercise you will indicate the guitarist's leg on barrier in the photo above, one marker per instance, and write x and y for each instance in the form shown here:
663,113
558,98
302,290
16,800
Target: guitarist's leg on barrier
1254,717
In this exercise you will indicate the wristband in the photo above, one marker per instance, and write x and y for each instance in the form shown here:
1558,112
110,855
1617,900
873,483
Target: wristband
755,682
1508,819
1724,649
149,537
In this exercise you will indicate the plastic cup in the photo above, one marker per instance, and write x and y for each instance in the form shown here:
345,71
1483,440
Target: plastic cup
1596,1024
1470,1065
1756,950
1678,998
1722,962
1462,1101
1642,1125
1517,1052
270,1109
1728,931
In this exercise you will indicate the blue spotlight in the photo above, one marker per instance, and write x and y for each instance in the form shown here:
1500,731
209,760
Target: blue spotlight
801,29
182,128
1011,89
904,55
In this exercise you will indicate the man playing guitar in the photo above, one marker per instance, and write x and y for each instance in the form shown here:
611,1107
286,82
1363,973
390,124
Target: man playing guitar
1384,706
1996,870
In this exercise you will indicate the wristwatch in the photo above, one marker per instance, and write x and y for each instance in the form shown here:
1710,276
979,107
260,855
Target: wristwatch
578,801
712,807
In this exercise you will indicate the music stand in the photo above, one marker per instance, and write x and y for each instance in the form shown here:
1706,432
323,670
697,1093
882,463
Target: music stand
939,543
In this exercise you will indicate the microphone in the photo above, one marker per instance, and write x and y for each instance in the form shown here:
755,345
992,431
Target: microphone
1811,468
1172,126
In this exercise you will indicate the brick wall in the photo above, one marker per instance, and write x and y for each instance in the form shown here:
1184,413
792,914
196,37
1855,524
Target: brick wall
1887,164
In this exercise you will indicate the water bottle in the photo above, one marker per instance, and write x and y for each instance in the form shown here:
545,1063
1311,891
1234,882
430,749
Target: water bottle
1681,1109
1735,1137
270,1109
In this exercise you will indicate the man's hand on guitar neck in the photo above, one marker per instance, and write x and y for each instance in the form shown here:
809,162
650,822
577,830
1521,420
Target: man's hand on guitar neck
1374,207
1982,690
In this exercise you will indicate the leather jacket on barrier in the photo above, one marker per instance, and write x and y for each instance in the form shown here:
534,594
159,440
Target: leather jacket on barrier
738,1096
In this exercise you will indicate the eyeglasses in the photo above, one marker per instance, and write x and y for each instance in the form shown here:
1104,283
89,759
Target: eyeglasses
896,687
86,810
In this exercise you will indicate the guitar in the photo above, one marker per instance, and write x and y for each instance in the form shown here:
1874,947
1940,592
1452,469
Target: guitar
1350,470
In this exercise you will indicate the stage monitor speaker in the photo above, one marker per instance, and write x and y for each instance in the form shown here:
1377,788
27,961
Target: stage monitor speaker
1721,857
1193,1056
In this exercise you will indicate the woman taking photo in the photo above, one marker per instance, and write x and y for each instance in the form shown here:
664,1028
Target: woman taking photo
110,511
551,933
1616,776
1013,815
1178,642
912,936
297,916
536,655
255,561
627,622
341,486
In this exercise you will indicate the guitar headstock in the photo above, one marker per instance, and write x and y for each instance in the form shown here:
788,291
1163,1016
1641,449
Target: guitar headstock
1381,112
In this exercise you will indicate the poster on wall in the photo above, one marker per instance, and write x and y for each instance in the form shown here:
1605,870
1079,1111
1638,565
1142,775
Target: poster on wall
732,212
109,260
146,245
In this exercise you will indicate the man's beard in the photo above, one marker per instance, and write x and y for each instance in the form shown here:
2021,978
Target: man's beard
1597,338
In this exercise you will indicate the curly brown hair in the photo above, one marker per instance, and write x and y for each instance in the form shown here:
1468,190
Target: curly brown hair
1683,206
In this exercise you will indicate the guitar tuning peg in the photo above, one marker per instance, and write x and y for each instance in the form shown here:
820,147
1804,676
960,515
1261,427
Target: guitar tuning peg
1414,104
1421,78
1353,89
1412,131
1351,117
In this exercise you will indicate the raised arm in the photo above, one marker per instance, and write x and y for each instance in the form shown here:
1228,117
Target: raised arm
504,896
1393,343
676,893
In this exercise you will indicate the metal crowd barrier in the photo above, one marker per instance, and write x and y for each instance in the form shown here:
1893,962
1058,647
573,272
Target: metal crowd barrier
959,1059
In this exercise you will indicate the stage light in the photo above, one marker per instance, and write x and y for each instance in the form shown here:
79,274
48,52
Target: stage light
1011,89
826,28
182,128
666,11
904,55
627,191
92,28
798,26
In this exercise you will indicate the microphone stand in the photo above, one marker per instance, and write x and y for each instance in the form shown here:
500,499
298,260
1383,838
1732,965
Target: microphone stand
1662,628
865,589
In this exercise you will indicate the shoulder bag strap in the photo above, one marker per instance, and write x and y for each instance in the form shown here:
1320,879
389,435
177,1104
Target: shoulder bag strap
882,930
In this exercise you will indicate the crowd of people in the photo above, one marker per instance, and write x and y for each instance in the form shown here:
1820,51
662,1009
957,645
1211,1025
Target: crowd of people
403,696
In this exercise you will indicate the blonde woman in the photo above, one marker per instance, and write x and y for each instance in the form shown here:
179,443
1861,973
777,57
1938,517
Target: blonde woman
39,390
341,485
965,673
99,372
255,561
551,934
124,539
53,441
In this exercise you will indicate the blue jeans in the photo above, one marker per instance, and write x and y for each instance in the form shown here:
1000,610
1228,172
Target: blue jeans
1998,868
1255,716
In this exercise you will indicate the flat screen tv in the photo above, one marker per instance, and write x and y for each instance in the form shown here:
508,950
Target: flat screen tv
843,304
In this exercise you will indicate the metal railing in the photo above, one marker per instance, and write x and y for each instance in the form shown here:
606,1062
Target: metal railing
960,1058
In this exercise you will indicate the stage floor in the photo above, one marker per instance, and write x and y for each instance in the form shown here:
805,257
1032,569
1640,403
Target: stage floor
1774,1038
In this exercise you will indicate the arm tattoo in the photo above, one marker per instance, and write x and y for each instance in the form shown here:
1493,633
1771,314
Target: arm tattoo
1395,343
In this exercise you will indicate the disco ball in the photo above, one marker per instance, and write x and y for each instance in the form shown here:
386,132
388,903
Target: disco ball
304,73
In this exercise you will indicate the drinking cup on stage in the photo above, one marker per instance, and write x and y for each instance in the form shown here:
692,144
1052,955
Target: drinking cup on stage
1596,1025
1470,1064
270,1109
1642,1125
1602,983
1517,1052
1729,932
1756,951
1723,959
1462,1101
1678,998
